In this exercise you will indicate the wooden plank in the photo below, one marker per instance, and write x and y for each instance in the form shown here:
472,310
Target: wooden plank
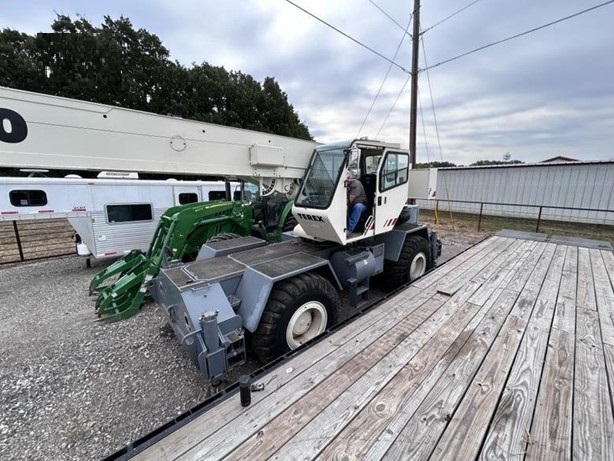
565,315
586,286
526,254
608,259
274,426
463,437
404,374
550,434
508,433
604,296
546,300
592,409
413,434
519,278
390,410
474,253
608,351
450,285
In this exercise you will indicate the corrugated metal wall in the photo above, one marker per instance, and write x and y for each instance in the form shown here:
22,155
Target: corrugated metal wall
568,185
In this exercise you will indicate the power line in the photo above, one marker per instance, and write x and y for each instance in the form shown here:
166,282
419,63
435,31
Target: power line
391,18
450,16
393,105
385,76
520,34
348,36
428,79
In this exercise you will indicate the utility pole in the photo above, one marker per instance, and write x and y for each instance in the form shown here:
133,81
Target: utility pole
413,109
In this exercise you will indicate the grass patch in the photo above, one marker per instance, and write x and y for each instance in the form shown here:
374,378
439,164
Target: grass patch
492,224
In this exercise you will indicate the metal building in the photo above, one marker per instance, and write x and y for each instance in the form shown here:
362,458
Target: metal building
559,191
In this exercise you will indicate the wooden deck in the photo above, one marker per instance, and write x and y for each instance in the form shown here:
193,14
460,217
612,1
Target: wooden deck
505,352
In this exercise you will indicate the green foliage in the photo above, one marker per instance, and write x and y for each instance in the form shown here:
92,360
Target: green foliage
495,162
435,165
118,65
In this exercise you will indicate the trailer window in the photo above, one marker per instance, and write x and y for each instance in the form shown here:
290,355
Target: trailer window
188,197
131,212
217,195
28,197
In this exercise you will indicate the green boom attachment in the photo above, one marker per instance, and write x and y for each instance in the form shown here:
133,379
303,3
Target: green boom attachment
179,235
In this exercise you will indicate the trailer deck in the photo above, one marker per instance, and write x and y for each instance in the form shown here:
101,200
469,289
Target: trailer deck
506,351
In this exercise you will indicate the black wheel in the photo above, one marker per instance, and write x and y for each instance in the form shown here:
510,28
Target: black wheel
414,261
299,309
290,223
223,236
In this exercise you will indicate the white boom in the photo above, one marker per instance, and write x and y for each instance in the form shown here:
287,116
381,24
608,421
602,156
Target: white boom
41,131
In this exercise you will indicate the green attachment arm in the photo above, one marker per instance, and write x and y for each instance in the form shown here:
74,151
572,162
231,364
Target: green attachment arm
179,235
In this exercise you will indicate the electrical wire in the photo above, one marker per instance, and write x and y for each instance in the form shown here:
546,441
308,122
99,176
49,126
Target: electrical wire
520,34
451,16
445,185
393,105
350,37
426,144
385,77
391,18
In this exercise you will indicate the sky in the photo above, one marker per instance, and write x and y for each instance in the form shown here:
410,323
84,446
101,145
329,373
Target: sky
544,94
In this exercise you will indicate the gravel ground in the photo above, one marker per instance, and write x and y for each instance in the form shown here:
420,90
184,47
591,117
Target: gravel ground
75,388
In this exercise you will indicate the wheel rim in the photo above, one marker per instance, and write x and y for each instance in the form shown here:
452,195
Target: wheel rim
418,267
306,323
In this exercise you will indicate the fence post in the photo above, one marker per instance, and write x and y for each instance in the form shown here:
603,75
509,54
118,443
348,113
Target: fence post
16,230
480,220
539,217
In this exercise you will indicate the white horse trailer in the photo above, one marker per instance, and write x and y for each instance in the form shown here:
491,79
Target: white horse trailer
111,217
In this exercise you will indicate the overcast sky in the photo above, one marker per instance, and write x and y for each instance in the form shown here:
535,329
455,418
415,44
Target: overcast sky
544,94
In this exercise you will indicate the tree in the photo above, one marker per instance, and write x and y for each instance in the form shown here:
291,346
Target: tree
118,65
495,162
435,165
19,64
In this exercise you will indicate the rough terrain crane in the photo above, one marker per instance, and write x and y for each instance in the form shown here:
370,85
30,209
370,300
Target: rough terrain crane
281,294
50,132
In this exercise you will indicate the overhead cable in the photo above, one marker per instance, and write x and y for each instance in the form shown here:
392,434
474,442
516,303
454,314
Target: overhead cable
348,36
385,77
391,18
450,16
520,34
393,105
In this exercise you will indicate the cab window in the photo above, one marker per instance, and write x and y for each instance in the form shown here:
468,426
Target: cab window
394,170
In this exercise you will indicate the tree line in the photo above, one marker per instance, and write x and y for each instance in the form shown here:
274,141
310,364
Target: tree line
119,65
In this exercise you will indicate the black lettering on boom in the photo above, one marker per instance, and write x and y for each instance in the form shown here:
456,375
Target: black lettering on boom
18,127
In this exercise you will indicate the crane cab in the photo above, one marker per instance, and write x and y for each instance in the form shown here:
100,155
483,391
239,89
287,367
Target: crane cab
321,205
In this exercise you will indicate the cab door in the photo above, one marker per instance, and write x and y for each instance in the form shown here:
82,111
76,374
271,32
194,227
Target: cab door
391,190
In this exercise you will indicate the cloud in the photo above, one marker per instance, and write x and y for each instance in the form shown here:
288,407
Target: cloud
547,93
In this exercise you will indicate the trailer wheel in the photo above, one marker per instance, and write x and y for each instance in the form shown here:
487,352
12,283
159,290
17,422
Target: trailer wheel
299,309
414,261
223,236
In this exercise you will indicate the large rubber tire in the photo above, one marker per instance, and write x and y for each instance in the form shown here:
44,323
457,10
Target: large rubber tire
299,309
414,262
290,223
223,236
